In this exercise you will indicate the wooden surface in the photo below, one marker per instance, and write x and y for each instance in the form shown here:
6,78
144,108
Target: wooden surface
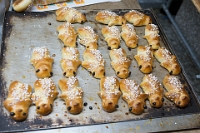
197,4
123,4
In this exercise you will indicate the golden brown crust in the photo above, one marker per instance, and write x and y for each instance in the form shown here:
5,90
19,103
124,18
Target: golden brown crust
109,93
110,18
70,61
129,36
137,18
94,63
133,96
42,62
70,15
67,34
151,86
144,59
18,100
71,94
120,63
111,36
21,5
167,60
44,95
176,91
88,37
152,36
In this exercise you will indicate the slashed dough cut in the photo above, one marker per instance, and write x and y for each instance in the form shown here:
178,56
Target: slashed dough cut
110,18
176,91
67,34
88,37
72,94
120,63
167,60
144,58
42,62
109,93
152,36
70,61
111,36
137,18
94,63
70,15
18,101
134,97
152,86
44,95
129,36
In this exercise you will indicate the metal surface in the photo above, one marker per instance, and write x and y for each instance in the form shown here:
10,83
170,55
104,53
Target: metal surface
23,32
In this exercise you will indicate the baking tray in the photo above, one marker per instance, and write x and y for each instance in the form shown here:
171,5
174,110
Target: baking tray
24,31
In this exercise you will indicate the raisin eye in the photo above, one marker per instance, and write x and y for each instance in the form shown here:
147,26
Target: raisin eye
104,73
69,108
24,114
145,107
74,72
140,66
179,103
38,107
109,48
118,72
163,99
130,109
171,73
51,105
51,73
154,103
119,47
116,106
37,70
129,73
12,113
93,73
64,73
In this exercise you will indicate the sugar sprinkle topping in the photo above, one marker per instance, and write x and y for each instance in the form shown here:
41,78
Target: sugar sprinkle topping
154,82
137,12
114,31
122,56
133,87
109,13
20,93
110,86
147,56
48,86
41,52
72,53
176,82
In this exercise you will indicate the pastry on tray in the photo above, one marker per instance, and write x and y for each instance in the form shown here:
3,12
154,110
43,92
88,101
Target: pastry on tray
18,101
137,18
70,15
109,93
44,95
120,63
42,62
176,91
72,94
21,5
88,37
70,61
151,86
134,97
129,36
110,18
111,36
144,58
152,36
67,34
168,61
94,63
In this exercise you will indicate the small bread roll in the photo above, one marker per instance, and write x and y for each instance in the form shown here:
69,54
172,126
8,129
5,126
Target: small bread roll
110,18
70,15
70,61
67,34
144,59
129,36
71,94
109,93
112,36
120,63
42,62
21,5
94,63
151,86
137,18
168,61
152,36
176,91
133,96
18,100
88,37
44,95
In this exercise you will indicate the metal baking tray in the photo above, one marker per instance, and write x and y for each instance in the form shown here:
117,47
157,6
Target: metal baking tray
24,31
